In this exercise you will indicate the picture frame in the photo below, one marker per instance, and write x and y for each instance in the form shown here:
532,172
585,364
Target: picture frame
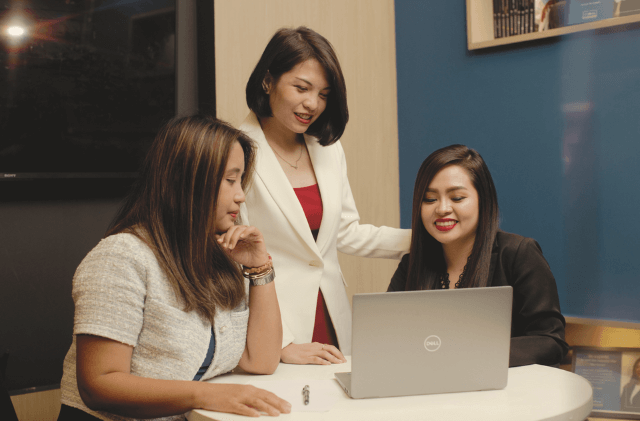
614,374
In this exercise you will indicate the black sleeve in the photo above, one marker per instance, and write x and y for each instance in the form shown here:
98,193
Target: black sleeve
399,279
537,332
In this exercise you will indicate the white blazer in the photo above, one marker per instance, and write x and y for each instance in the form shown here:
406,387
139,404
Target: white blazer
303,265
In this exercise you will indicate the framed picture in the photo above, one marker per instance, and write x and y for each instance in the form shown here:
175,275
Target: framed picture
614,374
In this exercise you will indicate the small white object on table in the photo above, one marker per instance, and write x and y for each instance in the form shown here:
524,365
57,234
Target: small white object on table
533,393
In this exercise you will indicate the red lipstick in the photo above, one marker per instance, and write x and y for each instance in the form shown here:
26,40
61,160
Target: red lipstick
445,227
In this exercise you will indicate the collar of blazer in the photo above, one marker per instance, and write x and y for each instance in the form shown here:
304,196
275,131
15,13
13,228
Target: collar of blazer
494,257
269,171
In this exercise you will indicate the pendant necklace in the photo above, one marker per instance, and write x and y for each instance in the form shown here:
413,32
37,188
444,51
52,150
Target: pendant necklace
295,167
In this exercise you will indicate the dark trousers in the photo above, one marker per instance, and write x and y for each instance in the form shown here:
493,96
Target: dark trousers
69,413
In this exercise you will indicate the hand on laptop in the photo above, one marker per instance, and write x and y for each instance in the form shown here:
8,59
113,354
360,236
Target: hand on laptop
313,353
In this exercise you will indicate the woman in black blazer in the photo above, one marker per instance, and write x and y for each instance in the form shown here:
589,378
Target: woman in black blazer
456,243
630,398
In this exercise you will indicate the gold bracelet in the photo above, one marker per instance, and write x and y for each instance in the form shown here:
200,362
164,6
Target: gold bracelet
253,272
263,278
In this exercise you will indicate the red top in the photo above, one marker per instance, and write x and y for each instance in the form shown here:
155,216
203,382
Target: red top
309,198
311,201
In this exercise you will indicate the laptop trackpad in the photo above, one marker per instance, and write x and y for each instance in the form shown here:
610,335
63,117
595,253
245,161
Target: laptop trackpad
345,381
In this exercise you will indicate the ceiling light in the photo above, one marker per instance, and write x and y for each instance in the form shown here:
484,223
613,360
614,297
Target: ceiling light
15,31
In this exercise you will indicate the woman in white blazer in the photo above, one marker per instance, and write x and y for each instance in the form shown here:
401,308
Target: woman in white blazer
299,111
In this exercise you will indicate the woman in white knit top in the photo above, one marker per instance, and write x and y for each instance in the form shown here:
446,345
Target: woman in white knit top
177,291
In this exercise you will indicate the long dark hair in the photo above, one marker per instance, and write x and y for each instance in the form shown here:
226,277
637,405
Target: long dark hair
288,48
171,207
634,374
426,259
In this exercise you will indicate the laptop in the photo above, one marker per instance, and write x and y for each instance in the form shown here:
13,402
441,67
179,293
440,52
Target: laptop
423,342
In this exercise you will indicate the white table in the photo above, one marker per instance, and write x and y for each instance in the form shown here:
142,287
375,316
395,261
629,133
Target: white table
533,393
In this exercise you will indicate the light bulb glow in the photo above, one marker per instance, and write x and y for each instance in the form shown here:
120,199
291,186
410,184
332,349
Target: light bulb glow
16,31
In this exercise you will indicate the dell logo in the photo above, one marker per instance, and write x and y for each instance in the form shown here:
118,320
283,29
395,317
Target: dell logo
432,343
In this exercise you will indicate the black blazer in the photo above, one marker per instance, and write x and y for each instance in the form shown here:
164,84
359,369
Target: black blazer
626,404
537,326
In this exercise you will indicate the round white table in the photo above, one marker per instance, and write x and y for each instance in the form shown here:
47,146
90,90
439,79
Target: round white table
533,392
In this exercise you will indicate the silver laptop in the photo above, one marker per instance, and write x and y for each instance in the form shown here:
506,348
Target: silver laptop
423,342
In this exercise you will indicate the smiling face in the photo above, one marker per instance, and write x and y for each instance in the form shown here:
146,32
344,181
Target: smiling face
298,97
450,208
230,195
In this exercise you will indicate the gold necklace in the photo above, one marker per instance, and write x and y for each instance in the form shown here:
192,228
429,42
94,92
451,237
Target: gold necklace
295,167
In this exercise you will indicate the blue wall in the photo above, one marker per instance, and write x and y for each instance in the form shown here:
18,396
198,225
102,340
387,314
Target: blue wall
558,122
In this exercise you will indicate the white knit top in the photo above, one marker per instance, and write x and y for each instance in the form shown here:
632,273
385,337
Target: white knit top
121,293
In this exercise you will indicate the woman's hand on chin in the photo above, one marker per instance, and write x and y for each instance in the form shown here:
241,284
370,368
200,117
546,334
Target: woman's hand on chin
245,245
313,353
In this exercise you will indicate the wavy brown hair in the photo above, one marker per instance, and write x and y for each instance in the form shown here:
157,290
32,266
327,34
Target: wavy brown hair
426,258
171,207
286,49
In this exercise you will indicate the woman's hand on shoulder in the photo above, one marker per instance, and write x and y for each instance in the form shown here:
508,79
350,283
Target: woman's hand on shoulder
245,245
313,353
242,399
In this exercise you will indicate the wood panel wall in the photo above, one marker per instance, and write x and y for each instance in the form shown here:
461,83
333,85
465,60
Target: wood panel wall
363,35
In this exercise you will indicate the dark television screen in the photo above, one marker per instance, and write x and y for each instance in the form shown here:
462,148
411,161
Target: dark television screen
84,85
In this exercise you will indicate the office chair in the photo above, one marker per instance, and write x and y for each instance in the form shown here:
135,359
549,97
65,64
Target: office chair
7,412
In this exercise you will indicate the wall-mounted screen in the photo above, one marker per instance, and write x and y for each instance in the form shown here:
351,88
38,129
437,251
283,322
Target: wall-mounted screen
84,85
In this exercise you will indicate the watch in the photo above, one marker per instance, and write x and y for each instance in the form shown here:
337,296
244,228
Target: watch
263,278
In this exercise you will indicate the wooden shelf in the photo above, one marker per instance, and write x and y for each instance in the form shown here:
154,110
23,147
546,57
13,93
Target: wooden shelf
480,27
602,333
